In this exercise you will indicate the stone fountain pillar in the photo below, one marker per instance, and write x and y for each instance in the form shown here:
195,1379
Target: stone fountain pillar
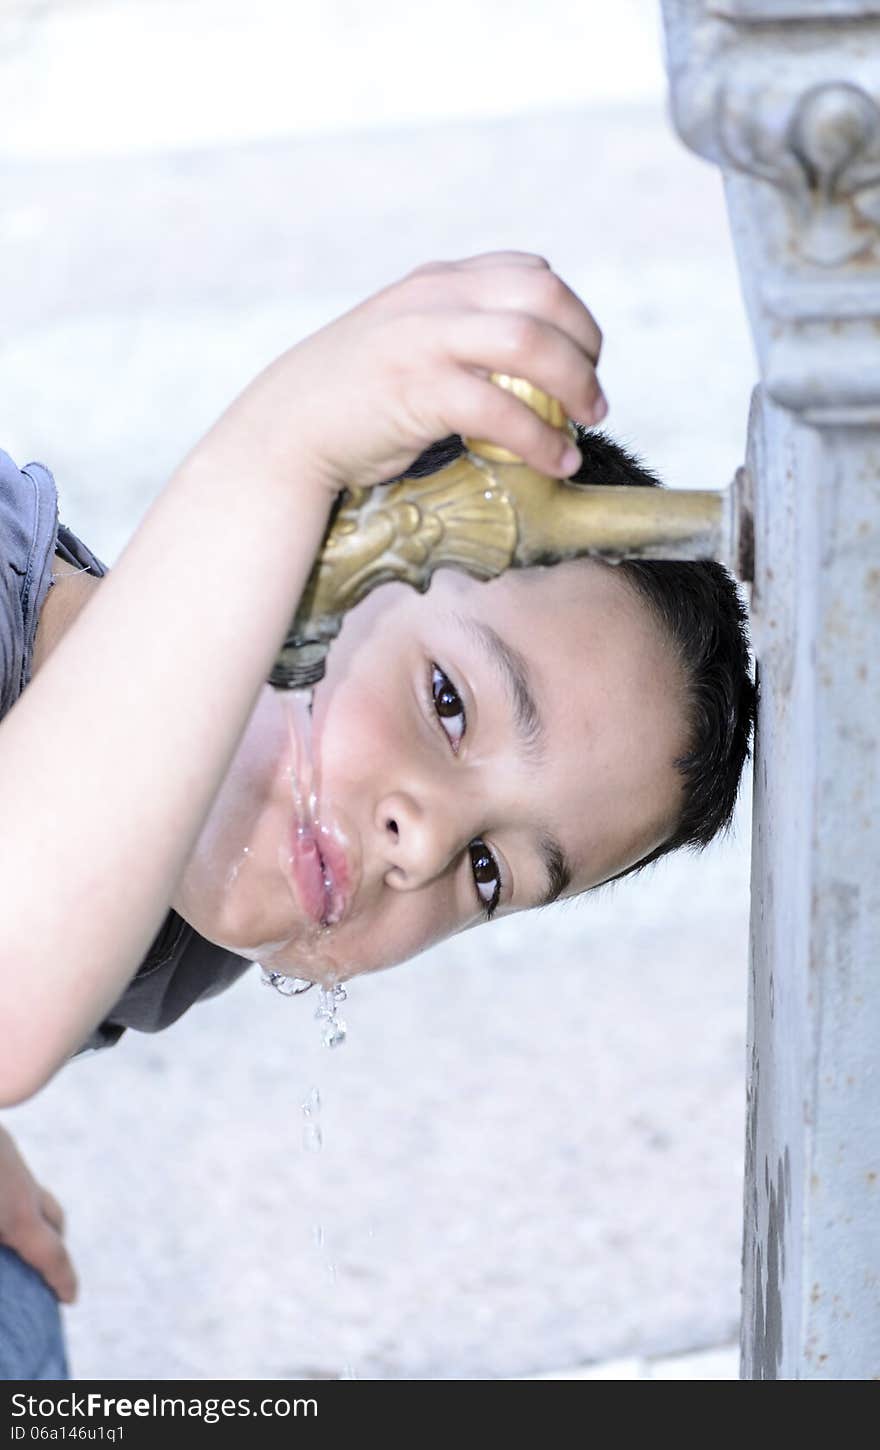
784,96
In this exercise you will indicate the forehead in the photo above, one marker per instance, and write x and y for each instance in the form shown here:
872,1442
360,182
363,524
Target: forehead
609,690
566,622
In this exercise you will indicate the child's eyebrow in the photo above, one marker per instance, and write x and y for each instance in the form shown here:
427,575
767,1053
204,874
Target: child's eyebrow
514,671
558,869
529,725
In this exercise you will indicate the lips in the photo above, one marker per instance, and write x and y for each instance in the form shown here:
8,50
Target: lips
321,874
338,875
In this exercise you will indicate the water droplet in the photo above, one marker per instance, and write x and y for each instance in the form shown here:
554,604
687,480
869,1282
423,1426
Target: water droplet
318,1235
335,1029
334,1033
287,986
327,1000
312,1104
313,1138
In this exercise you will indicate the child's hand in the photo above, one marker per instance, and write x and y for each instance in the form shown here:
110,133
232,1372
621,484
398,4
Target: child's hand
357,401
32,1222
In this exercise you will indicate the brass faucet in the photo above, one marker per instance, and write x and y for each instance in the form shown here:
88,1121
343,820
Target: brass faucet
486,512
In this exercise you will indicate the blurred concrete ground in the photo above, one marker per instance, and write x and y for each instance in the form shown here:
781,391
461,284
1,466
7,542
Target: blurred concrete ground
533,1136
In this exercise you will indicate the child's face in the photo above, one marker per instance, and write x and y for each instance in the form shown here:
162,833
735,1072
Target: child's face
479,744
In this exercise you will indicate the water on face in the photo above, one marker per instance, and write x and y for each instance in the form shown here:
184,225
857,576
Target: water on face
305,783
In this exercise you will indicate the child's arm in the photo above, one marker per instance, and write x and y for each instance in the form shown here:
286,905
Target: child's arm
111,758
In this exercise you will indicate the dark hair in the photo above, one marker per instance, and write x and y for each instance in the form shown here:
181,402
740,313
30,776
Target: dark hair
699,609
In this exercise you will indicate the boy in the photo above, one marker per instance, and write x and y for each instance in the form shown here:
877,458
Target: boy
480,749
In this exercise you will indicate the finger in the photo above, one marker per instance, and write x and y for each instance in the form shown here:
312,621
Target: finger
51,1209
500,259
480,409
44,1250
541,293
482,262
526,347
520,282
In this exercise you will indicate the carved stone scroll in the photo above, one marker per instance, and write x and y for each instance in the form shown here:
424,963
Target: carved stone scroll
785,98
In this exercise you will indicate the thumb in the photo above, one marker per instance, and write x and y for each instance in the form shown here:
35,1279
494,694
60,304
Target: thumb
42,1247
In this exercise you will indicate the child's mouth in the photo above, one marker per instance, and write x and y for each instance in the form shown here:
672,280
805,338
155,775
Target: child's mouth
320,874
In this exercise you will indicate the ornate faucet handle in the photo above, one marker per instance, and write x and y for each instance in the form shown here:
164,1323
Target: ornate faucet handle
550,409
462,517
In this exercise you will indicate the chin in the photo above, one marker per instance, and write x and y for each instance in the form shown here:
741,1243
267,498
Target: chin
228,926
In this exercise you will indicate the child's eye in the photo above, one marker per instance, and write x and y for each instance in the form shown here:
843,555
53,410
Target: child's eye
449,707
486,876
450,712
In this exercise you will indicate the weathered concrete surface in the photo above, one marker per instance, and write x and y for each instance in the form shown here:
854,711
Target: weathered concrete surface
792,115
534,1136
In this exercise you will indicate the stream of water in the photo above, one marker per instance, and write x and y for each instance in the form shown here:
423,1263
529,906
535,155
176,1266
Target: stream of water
304,777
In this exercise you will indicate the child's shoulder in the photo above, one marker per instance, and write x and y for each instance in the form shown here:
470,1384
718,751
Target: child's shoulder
35,549
28,513
28,529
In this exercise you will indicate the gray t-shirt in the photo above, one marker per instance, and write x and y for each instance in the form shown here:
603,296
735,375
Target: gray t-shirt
181,967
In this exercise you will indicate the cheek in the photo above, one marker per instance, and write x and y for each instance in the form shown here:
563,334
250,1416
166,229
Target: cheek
407,925
362,707
358,727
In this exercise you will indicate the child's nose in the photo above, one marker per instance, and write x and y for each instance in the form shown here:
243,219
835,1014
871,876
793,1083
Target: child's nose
419,838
